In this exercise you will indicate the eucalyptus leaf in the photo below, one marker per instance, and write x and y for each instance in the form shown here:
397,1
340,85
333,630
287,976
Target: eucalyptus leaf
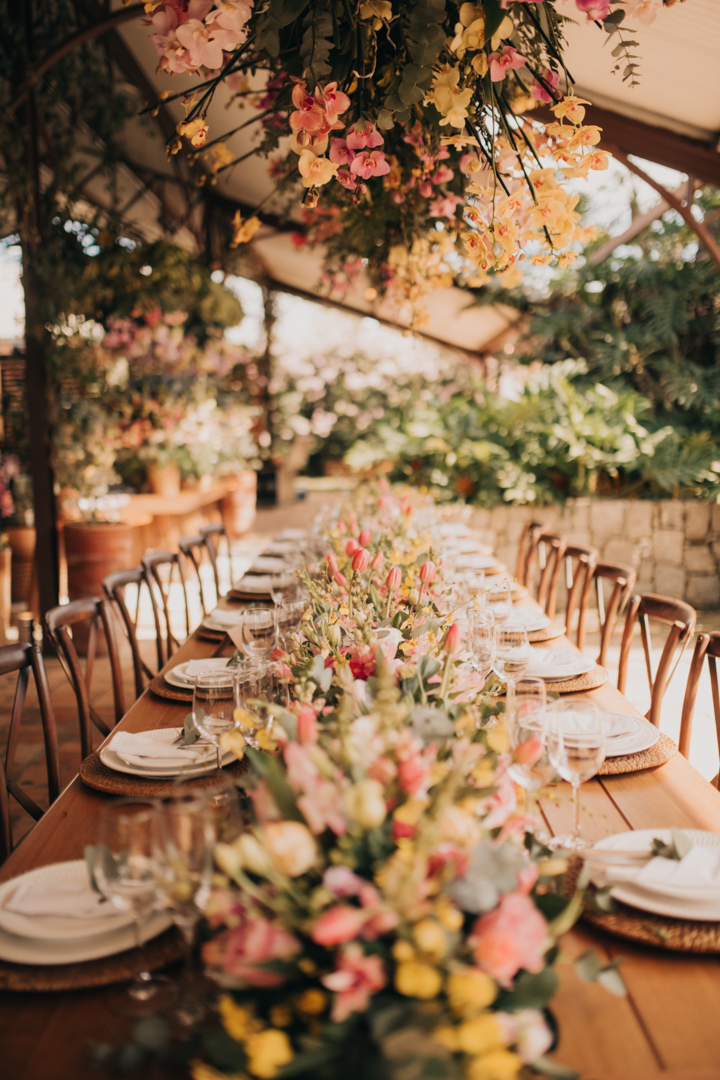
190,732
530,991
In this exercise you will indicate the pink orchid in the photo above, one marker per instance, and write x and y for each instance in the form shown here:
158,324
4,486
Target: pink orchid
443,175
425,188
321,800
512,936
468,163
232,15
334,101
445,206
204,46
345,178
242,950
339,152
356,978
645,12
594,9
309,115
538,91
369,163
362,134
503,61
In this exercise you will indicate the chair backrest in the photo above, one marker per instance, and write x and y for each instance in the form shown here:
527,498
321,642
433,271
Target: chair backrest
213,534
551,552
195,548
681,619
23,659
580,563
706,645
114,586
623,580
528,552
98,613
160,597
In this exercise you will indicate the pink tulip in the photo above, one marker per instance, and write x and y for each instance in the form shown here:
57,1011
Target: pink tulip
340,579
394,578
365,537
332,562
340,923
351,546
453,639
427,572
528,751
361,560
307,725
377,561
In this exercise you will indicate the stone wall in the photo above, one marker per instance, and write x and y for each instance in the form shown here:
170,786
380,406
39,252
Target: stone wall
673,544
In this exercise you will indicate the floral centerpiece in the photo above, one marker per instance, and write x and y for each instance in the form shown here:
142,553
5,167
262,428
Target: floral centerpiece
385,910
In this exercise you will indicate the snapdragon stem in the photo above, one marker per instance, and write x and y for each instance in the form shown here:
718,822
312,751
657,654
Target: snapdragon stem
350,592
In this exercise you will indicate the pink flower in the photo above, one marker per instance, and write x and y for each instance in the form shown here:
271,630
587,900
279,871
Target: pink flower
351,546
511,937
264,804
345,179
425,188
453,639
354,980
339,152
242,950
443,207
332,561
335,102
502,804
308,116
502,62
551,79
340,579
377,561
369,163
442,175
413,771
468,163
342,881
320,801
362,134
365,537
204,46
361,560
594,9
645,12
338,924
394,578
427,572
306,725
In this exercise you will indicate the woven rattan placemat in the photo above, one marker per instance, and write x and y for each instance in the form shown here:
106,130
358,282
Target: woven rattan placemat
162,950
97,775
597,676
170,693
656,755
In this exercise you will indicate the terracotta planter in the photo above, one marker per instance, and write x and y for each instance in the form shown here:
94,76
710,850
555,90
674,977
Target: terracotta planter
92,551
21,539
238,508
164,479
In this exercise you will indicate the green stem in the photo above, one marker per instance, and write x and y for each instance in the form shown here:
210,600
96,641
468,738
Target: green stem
350,591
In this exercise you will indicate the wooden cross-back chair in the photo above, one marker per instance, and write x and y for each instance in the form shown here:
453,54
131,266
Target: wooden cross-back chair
114,586
160,596
551,549
194,548
580,564
98,614
528,552
681,619
623,580
213,534
25,659
706,646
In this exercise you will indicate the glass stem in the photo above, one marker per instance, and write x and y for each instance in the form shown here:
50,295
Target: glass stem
576,805
141,975
217,754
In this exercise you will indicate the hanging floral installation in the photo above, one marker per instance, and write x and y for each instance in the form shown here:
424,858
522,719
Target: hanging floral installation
409,125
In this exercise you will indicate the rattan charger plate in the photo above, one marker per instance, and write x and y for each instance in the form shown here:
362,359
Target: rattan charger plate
97,775
158,953
210,635
656,755
548,633
591,680
170,693
662,931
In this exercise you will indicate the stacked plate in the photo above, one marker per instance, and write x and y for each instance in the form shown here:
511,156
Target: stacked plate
531,619
558,665
160,754
688,888
475,561
51,915
184,675
222,620
627,734
254,586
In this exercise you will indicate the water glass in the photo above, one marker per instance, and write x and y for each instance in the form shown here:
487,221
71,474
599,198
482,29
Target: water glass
531,767
512,652
283,587
499,599
288,615
252,688
213,708
258,631
576,748
125,872
482,641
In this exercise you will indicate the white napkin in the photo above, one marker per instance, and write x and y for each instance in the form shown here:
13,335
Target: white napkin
267,564
214,665
35,896
223,617
144,752
558,662
257,583
698,874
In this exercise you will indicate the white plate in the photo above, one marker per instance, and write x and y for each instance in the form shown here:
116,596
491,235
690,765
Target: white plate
57,927
475,562
211,623
467,545
704,908
255,584
267,564
177,676
21,950
640,734
166,735
532,620
558,664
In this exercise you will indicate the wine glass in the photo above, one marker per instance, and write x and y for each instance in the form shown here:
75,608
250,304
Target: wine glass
251,688
576,747
258,631
283,587
125,872
499,599
288,615
222,801
183,873
482,641
213,707
512,652
531,767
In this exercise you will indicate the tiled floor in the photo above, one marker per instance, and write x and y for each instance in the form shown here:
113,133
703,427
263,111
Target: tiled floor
30,761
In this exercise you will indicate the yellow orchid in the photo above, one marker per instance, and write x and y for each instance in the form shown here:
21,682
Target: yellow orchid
243,231
315,171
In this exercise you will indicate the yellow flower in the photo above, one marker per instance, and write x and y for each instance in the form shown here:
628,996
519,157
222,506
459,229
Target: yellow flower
266,740
498,739
196,131
218,155
480,64
479,1035
499,1065
291,847
234,742
243,231
430,938
312,1002
267,1052
365,803
403,950
416,979
237,1020
315,171
483,774
572,108
470,989
281,1015
447,1037
449,916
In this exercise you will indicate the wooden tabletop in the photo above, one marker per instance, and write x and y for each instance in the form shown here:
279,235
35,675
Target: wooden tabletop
667,1028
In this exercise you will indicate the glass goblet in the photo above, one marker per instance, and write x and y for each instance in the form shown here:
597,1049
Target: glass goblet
283,587
252,691
288,615
499,599
576,748
482,642
512,652
213,708
258,631
531,767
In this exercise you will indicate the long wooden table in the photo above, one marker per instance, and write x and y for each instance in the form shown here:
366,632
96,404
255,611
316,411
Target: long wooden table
667,1028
